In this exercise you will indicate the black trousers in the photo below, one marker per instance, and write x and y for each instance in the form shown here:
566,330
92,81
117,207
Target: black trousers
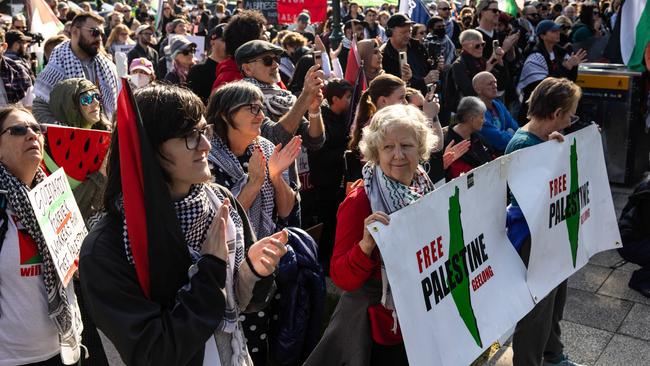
537,336
388,355
54,361
638,253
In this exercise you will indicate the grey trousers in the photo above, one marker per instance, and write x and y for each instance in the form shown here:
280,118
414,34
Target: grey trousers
537,335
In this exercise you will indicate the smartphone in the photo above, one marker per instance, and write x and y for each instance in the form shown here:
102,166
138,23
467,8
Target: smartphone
431,88
318,59
495,45
402,59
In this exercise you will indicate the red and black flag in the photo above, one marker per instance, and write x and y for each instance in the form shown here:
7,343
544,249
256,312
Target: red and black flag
157,244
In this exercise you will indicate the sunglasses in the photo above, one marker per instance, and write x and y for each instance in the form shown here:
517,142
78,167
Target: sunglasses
268,60
534,15
87,99
443,9
21,130
479,45
189,51
193,138
95,32
495,11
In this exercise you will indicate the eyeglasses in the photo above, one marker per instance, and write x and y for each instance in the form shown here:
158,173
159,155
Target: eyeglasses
21,130
534,15
95,32
443,9
87,99
193,138
268,60
495,11
189,51
574,119
254,108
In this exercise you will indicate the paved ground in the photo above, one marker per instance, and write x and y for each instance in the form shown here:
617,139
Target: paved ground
605,322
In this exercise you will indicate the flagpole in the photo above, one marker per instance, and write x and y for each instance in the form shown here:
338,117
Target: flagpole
337,35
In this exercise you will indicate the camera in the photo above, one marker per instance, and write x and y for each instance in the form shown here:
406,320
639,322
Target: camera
433,46
37,38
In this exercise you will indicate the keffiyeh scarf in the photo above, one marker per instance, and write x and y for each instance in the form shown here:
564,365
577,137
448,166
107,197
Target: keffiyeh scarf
277,101
260,213
195,214
62,305
64,64
388,195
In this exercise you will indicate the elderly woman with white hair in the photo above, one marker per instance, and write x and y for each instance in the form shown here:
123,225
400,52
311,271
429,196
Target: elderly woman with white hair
364,329
469,121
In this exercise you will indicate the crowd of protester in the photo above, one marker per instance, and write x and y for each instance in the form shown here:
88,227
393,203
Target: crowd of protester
261,134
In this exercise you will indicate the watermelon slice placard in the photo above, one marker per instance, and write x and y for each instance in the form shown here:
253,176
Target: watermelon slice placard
78,151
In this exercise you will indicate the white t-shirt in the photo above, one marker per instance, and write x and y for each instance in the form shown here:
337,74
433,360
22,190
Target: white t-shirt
27,334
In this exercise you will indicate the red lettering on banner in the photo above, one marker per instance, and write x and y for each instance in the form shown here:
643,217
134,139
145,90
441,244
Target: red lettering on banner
288,10
429,254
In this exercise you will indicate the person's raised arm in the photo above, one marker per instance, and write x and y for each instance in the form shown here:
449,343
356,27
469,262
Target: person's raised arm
279,162
312,85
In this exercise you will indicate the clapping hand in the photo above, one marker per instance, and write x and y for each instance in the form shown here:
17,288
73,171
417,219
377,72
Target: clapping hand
576,59
257,166
215,243
265,254
454,151
282,158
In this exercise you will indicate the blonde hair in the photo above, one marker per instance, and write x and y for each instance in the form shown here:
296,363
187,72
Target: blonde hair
396,116
470,35
113,37
293,39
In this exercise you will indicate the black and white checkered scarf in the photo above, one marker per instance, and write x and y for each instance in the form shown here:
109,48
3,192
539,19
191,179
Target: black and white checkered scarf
62,308
195,213
63,64
277,101
260,213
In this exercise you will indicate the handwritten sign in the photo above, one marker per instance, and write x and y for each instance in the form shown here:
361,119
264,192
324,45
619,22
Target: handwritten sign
60,221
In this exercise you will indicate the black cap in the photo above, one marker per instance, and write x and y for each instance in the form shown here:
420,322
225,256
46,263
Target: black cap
398,20
217,32
12,36
252,49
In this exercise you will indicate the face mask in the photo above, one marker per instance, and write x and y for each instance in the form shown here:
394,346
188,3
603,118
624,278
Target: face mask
440,32
140,80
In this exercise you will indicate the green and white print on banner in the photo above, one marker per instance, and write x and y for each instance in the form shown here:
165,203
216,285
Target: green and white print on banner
451,269
60,221
635,32
568,206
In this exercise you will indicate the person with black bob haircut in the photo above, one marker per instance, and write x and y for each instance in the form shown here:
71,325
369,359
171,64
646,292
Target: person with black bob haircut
179,303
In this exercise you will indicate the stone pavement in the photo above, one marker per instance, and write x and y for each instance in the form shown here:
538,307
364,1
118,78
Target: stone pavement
605,322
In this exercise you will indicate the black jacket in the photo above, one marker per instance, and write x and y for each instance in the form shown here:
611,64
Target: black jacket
137,52
143,331
458,81
201,77
416,56
635,224
326,164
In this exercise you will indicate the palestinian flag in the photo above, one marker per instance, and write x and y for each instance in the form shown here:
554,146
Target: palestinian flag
511,6
157,244
42,19
635,32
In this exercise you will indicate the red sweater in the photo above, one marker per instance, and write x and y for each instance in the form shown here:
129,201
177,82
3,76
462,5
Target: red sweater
350,267
227,71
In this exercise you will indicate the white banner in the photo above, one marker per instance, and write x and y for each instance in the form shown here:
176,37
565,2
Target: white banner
60,221
457,282
563,191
